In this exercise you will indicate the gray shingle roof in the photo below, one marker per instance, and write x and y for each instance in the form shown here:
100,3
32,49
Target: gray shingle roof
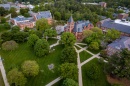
44,14
79,25
22,18
70,19
6,6
123,42
120,27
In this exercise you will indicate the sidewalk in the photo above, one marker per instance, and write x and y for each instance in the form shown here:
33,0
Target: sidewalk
3,73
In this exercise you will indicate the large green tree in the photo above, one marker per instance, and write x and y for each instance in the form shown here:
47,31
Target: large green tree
30,68
69,55
32,40
112,34
42,24
68,39
87,33
41,47
69,70
50,33
16,78
94,46
119,64
69,82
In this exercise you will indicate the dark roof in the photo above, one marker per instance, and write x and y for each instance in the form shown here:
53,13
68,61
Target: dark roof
70,19
79,25
120,27
123,42
44,14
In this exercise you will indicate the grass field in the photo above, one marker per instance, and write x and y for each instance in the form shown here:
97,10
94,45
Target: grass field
16,58
1,80
102,81
84,56
94,51
51,41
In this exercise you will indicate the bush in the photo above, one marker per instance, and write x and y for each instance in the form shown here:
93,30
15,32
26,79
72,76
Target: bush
16,78
93,71
9,45
30,68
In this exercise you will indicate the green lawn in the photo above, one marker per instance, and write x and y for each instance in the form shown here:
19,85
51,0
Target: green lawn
78,48
84,56
51,41
1,80
94,51
102,81
16,58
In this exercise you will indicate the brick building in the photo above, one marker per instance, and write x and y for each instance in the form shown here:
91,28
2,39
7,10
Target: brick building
118,45
78,27
121,25
23,22
123,16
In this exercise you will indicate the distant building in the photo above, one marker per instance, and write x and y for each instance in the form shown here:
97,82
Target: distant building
121,25
122,16
103,4
6,6
78,27
118,45
44,14
23,22
29,22
60,29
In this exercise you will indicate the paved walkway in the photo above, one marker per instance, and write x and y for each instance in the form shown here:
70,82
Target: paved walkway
86,61
3,73
54,81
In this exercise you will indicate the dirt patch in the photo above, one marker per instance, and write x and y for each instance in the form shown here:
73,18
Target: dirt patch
123,81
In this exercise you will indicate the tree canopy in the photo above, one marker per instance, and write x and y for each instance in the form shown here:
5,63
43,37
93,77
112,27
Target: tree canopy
16,78
68,39
30,68
42,24
69,82
69,55
41,47
69,70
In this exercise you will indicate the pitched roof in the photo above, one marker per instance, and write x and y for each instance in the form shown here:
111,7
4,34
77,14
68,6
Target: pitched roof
6,6
22,18
79,25
123,42
44,14
70,19
122,26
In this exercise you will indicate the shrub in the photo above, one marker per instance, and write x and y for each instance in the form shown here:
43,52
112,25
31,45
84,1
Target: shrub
9,45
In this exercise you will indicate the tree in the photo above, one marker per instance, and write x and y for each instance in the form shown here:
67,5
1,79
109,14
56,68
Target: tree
3,20
32,40
69,55
42,24
69,70
50,33
93,71
57,15
94,46
15,29
30,68
87,33
112,34
9,45
16,78
41,47
3,11
119,64
13,12
68,39
69,82
23,11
